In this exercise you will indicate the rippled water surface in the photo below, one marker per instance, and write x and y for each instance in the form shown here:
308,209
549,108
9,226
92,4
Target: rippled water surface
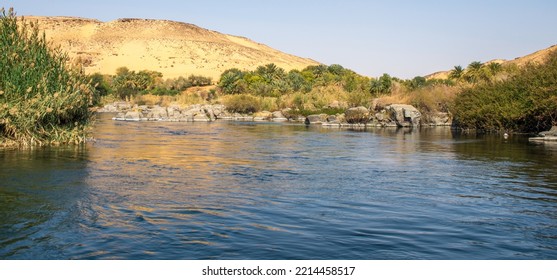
229,190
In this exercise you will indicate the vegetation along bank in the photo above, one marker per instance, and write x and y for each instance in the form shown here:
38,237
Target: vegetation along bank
43,100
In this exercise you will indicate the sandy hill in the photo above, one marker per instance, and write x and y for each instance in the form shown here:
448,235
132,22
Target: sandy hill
172,48
535,57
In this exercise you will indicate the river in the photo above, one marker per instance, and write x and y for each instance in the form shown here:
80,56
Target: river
239,190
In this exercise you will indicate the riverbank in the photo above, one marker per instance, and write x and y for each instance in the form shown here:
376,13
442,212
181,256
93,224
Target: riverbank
395,115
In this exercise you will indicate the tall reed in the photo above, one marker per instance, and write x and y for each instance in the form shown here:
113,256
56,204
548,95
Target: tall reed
43,100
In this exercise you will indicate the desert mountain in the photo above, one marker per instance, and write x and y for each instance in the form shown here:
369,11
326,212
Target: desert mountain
172,48
535,57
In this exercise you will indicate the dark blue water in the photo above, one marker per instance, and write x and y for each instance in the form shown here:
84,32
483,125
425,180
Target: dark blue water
279,191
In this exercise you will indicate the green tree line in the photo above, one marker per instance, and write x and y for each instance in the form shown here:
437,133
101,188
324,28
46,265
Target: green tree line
127,83
273,81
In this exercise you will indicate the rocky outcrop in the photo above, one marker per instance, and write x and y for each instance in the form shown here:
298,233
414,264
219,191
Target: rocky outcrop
115,107
316,119
262,116
550,135
278,116
203,113
551,132
357,115
404,115
437,119
396,115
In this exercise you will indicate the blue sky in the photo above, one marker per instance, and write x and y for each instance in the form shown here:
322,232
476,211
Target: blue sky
402,38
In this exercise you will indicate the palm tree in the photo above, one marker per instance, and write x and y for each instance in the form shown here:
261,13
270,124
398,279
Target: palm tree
495,68
270,72
456,73
474,72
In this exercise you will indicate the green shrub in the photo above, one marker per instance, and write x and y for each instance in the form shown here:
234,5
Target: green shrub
42,100
101,87
242,103
327,111
128,83
164,91
359,98
525,102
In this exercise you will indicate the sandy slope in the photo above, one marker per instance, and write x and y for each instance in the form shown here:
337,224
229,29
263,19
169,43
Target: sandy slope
535,57
173,48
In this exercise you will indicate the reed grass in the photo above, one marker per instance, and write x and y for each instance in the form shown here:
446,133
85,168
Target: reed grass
43,100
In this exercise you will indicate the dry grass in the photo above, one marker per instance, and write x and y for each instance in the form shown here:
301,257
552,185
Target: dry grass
186,99
386,100
429,99
434,99
317,98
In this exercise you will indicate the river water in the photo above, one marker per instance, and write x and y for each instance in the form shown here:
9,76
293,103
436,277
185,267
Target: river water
234,190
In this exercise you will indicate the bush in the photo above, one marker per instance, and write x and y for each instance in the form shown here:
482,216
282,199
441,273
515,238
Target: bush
436,98
357,115
187,99
242,103
525,102
164,91
128,83
42,100
101,87
360,98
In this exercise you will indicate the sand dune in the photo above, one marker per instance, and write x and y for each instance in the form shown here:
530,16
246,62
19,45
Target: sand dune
172,48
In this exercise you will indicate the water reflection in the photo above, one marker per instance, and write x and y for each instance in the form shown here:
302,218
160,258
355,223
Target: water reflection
279,191
38,198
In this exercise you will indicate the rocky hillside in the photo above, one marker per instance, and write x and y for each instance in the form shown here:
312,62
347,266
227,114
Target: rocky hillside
535,57
172,48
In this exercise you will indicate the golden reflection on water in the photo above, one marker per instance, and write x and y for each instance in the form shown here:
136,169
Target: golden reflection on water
209,190
169,145
180,162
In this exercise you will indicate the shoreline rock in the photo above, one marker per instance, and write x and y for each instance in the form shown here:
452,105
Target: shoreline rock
550,136
395,115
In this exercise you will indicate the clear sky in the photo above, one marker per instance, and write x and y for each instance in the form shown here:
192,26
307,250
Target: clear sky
401,37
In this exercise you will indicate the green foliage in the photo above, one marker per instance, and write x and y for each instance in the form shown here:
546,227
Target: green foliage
324,110
297,82
526,101
177,85
242,103
128,83
199,81
417,82
42,100
272,81
359,98
164,91
478,72
101,86
456,73
231,81
382,85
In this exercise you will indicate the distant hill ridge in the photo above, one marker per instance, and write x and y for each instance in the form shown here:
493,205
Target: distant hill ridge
170,47
536,57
